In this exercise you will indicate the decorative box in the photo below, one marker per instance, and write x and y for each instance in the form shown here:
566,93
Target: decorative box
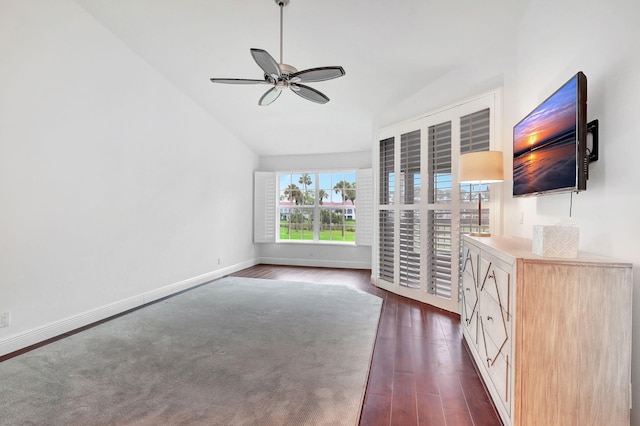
555,241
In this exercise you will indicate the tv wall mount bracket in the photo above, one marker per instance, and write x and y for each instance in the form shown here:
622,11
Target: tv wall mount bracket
592,127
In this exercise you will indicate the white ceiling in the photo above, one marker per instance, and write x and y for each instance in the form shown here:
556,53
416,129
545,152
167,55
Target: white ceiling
389,50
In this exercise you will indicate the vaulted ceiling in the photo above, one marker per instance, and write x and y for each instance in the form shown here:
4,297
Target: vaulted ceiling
389,50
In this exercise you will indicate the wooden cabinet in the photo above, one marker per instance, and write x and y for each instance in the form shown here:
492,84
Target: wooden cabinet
551,337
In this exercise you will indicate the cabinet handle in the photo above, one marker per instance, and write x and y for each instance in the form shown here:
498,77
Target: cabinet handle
489,318
468,289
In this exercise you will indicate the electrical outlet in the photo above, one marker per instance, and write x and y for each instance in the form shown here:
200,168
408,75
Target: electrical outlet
5,319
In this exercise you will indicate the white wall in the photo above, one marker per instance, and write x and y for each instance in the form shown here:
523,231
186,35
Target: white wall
113,185
451,89
557,39
326,255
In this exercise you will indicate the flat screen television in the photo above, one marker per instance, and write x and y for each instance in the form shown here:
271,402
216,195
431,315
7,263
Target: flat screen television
550,143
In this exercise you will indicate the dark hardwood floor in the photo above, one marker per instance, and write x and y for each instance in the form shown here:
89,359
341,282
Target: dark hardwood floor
421,373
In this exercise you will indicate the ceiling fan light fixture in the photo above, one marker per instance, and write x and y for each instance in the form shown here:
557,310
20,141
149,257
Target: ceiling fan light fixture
270,96
279,74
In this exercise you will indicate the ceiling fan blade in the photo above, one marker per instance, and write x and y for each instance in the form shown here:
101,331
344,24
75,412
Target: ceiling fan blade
236,81
270,96
309,93
318,74
266,62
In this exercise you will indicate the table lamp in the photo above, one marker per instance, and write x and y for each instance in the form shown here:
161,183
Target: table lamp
479,168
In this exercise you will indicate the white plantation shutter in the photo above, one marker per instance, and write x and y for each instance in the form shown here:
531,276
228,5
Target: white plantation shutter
474,136
439,275
439,210
386,168
365,207
410,248
475,131
264,207
422,209
410,168
386,246
409,199
386,223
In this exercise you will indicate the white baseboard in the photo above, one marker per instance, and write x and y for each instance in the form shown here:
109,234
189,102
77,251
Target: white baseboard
57,328
171,289
315,263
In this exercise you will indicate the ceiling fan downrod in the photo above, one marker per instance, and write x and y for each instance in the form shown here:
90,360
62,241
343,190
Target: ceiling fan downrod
281,4
285,68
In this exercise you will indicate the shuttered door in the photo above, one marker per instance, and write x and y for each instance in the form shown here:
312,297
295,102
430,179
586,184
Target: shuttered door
387,177
439,210
409,209
410,248
422,209
386,268
474,136
386,243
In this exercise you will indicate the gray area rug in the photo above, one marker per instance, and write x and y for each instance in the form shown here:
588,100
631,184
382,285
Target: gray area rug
237,351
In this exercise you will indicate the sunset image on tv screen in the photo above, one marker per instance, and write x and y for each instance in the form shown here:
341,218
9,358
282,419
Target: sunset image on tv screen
544,144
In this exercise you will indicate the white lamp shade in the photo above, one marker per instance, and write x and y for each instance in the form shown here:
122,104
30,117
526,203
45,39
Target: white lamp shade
481,167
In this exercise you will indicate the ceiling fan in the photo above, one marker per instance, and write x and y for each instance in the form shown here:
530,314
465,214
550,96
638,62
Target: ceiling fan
281,75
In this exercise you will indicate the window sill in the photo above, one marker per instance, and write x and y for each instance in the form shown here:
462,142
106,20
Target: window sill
319,243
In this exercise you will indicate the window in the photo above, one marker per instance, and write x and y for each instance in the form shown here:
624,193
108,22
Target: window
314,207
317,206
422,210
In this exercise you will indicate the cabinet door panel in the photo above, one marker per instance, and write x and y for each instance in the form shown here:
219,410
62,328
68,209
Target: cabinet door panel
499,370
470,294
496,325
496,281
